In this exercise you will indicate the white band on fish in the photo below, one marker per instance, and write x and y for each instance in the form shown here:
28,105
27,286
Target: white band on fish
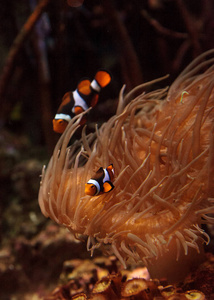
95,86
106,176
94,182
78,101
63,117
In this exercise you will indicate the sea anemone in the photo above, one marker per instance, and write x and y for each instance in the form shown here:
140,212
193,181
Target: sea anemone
162,147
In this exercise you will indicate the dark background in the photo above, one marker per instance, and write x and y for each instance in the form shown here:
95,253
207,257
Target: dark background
135,40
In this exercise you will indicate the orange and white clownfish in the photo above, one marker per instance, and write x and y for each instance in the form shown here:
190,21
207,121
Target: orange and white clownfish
85,96
101,182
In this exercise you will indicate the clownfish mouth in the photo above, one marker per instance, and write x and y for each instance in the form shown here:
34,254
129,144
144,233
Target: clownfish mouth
59,125
92,189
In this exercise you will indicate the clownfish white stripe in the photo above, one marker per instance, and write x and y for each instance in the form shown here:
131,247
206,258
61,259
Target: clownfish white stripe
95,86
79,101
62,116
94,182
106,176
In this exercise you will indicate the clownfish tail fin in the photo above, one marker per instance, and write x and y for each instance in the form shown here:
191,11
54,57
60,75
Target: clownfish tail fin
110,167
110,170
103,78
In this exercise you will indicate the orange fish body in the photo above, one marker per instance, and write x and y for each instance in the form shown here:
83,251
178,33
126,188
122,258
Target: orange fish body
85,96
101,182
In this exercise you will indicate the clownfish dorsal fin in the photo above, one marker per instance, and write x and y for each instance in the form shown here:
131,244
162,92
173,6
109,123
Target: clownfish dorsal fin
99,174
107,186
99,171
66,98
103,78
84,87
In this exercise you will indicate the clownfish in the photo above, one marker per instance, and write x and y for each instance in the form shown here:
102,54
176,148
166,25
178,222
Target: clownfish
73,103
101,182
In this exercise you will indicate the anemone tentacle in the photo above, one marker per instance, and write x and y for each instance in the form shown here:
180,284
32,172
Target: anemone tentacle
162,147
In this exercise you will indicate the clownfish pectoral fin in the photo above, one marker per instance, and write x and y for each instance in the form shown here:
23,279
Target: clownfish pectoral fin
103,78
84,87
78,110
107,186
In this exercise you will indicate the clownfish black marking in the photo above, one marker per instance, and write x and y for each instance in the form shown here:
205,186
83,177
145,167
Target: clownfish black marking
101,182
85,96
